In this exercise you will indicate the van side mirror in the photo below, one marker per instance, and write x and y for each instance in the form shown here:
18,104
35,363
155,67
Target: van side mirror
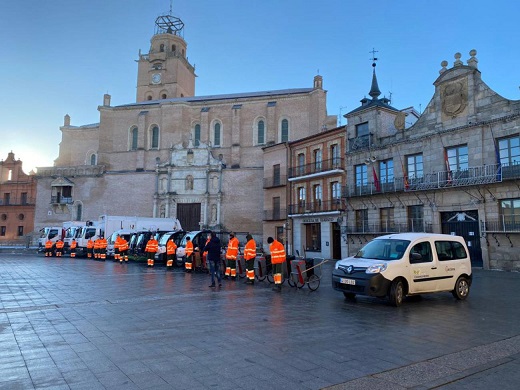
415,257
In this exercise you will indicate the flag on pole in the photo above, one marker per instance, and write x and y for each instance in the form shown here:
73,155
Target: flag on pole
405,178
376,180
499,163
449,177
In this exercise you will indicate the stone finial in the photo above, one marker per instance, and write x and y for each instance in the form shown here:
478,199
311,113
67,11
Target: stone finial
66,120
106,100
473,62
457,62
444,64
318,82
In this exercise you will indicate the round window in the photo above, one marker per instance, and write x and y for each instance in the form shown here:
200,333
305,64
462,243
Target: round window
4,217
21,217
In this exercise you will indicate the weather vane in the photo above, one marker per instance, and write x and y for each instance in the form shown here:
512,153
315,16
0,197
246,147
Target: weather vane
374,58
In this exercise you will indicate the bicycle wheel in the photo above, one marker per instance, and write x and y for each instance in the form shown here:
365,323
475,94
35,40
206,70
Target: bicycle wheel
314,282
299,284
290,281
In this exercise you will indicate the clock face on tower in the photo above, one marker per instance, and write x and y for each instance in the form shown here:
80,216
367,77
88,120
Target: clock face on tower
156,78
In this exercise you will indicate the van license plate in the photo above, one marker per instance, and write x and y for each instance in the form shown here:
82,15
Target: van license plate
347,281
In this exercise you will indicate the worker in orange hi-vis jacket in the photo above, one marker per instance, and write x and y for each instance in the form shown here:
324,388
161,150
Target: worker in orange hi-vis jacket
103,248
90,248
123,250
59,247
249,257
231,256
277,259
151,249
188,264
48,248
117,243
73,245
171,249
96,248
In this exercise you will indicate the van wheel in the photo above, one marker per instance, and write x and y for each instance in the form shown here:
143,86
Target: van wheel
461,290
396,293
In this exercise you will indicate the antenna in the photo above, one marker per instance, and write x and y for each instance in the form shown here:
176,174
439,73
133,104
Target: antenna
390,96
171,6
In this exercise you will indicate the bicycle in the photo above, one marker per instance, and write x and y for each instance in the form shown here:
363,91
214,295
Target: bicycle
301,275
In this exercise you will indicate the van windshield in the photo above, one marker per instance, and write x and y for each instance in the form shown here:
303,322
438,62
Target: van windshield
383,249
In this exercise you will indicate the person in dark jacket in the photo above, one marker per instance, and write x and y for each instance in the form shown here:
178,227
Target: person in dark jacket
213,257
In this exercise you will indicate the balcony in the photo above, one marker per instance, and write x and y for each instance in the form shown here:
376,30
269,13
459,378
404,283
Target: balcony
484,174
61,200
369,227
316,207
275,181
317,168
504,224
360,143
18,202
275,215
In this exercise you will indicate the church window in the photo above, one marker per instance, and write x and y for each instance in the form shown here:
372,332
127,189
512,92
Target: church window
133,138
260,132
174,48
79,212
154,138
163,96
216,134
161,48
189,182
93,159
284,131
149,97
196,135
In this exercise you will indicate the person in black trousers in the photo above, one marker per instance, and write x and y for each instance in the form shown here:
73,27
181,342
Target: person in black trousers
213,257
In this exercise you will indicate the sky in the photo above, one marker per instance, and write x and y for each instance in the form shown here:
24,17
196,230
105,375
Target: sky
60,57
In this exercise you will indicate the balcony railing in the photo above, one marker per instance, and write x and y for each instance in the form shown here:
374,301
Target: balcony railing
360,143
369,227
275,181
275,214
472,176
61,200
316,207
504,224
317,167
17,202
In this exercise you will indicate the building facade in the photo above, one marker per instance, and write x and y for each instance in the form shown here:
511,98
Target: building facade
17,202
173,154
454,171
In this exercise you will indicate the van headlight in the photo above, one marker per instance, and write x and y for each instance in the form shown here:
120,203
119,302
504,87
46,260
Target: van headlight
376,268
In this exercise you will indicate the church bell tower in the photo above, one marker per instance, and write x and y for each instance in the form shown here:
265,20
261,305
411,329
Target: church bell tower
165,72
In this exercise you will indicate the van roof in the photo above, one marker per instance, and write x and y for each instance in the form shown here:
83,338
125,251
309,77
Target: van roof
415,236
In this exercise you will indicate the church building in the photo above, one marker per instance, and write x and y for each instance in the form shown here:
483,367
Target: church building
172,153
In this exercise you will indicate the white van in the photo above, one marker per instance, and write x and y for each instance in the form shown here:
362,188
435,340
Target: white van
397,265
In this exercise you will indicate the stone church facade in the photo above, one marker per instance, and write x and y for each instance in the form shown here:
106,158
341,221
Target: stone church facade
172,152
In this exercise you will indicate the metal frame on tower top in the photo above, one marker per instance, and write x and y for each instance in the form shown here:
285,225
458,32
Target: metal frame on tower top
169,24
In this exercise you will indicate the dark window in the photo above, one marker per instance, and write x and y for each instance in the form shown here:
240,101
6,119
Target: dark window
261,132
362,130
386,216
2,230
92,159
7,198
163,96
450,250
197,135
20,231
79,212
362,220
301,163
21,217
276,175
133,134
416,218
313,237
276,207
216,135
285,130
161,47
155,138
